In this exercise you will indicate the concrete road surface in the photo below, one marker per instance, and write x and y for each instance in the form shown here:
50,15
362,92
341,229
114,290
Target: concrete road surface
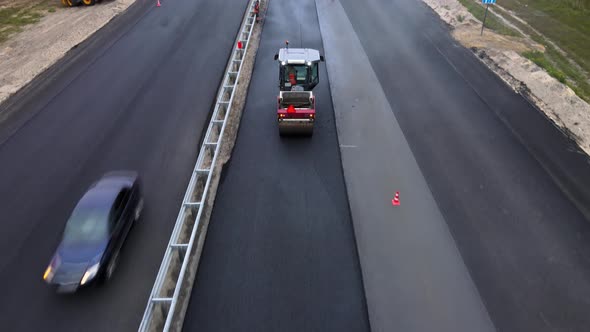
414,277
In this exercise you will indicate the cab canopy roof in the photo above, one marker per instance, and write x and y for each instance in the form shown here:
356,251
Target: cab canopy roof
298,55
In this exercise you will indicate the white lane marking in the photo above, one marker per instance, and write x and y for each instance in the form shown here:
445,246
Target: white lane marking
347,146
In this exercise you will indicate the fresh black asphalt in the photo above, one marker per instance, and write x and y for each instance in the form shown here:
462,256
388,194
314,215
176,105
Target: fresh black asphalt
485,153
280,252
135,96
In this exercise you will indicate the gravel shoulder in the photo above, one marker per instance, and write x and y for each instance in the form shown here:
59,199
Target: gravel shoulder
38,46
502,54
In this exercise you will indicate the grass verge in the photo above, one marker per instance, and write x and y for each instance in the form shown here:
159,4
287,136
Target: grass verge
564,22
572,73
492,21
14,17
542,61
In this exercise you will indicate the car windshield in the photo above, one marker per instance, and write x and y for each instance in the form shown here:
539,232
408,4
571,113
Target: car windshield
89,221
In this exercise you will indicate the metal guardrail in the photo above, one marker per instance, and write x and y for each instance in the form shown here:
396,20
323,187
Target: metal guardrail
168,284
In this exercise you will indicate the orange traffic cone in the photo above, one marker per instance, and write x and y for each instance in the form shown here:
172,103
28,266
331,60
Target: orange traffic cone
395,200
158,3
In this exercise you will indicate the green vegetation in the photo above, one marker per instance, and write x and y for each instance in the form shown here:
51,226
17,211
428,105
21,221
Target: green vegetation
565,22
492,21
577,80
21,13
542,61
578,4
12,19
553,61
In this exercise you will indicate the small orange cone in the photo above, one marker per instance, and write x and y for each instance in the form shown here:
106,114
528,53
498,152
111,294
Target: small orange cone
395,200
158,3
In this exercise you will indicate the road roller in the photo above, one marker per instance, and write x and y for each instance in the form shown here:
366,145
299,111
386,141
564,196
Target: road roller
298,75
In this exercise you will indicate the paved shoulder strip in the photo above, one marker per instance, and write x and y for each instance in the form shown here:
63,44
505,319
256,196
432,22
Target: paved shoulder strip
414,276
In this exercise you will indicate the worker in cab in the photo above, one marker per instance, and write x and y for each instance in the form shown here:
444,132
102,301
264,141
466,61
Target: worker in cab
292,76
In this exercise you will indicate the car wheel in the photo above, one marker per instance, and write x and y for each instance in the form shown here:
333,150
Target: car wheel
139,209
72,3
89,2
112,266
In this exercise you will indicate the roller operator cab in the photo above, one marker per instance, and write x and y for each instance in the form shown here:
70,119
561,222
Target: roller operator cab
298,75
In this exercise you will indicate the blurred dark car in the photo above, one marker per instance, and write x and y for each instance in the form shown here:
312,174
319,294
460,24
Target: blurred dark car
95,232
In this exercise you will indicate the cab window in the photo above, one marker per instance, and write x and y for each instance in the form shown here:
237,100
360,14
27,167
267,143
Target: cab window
297,72
314,73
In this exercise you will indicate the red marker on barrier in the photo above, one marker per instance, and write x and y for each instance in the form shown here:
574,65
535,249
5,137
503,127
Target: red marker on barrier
240,44
395,200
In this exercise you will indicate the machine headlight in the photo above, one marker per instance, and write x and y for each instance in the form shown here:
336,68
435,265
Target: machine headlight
283,63
90,273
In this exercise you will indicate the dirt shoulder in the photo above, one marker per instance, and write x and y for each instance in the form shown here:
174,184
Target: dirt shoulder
504,54
33,47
